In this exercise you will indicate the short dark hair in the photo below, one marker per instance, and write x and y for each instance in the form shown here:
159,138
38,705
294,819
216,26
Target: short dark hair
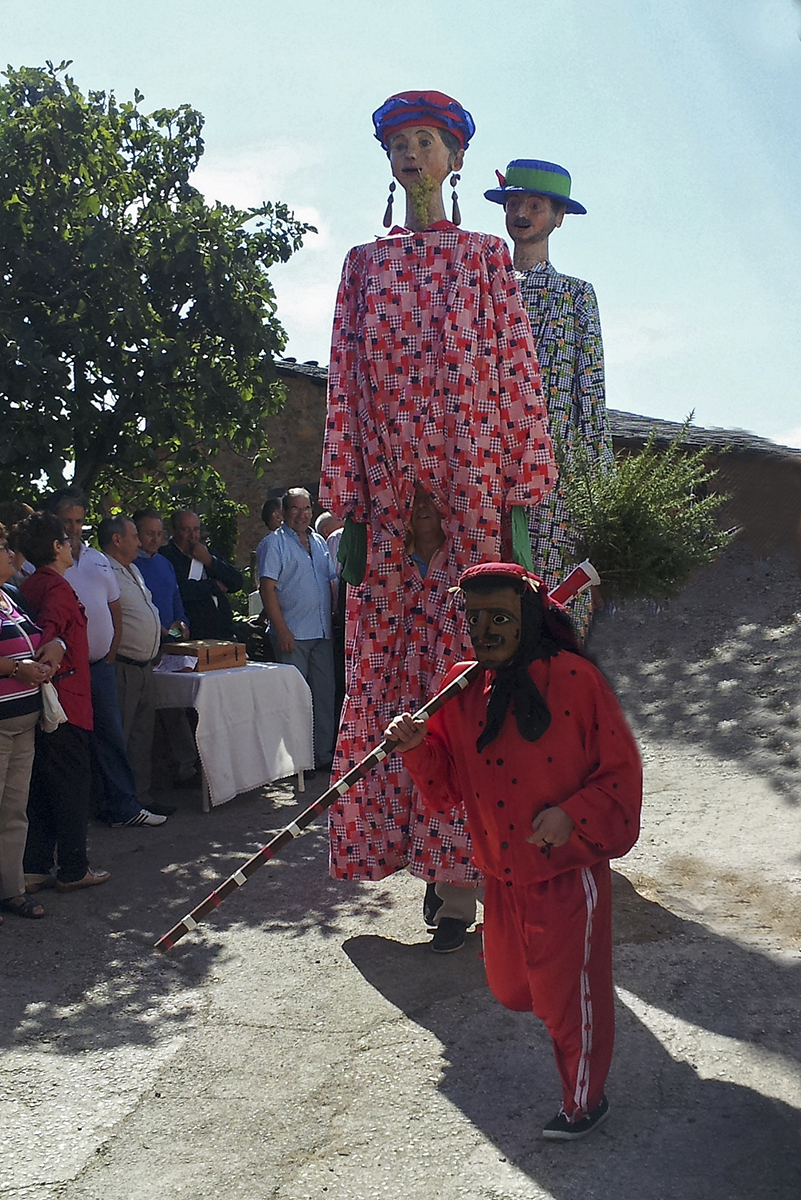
67,497
294,492
13,538
145,514
269,507
12,511
37,536
108,527
450,140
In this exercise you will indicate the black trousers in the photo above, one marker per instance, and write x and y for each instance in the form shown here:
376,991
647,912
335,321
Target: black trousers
58,805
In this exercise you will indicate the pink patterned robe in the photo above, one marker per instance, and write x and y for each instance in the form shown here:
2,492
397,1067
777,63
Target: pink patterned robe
433,380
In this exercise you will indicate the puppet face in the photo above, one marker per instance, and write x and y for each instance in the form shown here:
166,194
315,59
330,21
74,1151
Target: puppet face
419,150
494,621
531,218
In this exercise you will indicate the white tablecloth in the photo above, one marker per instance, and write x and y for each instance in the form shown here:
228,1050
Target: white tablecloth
254,723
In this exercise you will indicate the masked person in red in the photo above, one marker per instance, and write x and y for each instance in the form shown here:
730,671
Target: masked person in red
539,752
434,399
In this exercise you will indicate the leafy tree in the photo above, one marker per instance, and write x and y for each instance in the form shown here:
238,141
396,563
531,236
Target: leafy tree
137,323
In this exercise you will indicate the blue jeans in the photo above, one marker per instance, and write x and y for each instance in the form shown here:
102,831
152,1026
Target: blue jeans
314,658
108,746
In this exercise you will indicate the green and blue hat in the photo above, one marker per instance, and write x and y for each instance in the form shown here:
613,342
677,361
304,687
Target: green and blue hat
537,178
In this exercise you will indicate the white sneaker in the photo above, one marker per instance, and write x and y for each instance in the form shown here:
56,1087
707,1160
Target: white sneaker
143,817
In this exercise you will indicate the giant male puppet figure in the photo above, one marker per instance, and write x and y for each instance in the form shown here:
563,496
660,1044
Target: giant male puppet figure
563,312
434,393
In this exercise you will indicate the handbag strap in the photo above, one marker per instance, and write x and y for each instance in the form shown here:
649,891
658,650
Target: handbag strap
19,628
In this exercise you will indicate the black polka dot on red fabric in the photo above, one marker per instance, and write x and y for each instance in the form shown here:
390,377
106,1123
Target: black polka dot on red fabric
511,827
514,781
567,712
499,762
626,821
614,785
508,883
504,845
572,672
489,762
507,870
584,820
550,759
501,804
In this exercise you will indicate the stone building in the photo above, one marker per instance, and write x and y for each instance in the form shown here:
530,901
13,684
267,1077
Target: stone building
295,437
762,478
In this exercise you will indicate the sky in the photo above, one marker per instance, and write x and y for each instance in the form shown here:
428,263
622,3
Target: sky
678,121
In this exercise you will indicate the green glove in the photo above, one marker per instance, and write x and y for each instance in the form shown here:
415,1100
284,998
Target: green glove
352,552
521,541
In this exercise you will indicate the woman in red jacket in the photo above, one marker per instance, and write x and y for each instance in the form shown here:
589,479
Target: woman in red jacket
58,807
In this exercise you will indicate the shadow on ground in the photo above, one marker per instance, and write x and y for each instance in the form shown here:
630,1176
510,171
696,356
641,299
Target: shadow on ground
87,977
719,666
695,1107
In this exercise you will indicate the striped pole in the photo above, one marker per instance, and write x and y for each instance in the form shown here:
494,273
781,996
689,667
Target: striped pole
295,828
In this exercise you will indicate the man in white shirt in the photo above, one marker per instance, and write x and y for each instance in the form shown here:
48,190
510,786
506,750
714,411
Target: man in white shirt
139,645
93,581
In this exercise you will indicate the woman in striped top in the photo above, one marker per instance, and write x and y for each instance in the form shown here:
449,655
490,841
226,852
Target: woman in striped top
20,705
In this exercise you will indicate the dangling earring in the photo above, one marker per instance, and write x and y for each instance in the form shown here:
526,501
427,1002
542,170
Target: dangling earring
456,216
390,202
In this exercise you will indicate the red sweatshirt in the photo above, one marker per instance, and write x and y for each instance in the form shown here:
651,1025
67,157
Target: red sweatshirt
586,762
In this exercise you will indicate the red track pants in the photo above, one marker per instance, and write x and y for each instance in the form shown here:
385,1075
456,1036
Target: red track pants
548,947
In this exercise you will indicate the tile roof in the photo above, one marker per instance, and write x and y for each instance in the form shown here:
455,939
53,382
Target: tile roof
630,427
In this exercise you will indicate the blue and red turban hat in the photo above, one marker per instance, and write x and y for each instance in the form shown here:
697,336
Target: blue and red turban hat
434,109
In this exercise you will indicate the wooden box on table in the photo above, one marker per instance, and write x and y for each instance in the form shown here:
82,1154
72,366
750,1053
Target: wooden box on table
211,655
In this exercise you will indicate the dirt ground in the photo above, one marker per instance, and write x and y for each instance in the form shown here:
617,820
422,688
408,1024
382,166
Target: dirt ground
305,1043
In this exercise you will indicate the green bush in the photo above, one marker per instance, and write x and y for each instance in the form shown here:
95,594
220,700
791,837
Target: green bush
648,522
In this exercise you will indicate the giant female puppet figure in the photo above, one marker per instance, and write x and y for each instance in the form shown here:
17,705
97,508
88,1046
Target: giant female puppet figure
435,406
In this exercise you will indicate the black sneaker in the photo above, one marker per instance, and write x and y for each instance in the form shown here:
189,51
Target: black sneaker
449,935
561,1130
431,905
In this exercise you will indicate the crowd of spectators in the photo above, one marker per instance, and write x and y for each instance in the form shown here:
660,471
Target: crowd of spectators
91,623
81,629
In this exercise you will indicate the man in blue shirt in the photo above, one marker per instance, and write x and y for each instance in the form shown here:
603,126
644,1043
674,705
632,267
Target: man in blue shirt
174,730
296,575
158,572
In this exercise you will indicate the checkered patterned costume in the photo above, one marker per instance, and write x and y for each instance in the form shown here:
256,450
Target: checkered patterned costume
433,379
563,312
